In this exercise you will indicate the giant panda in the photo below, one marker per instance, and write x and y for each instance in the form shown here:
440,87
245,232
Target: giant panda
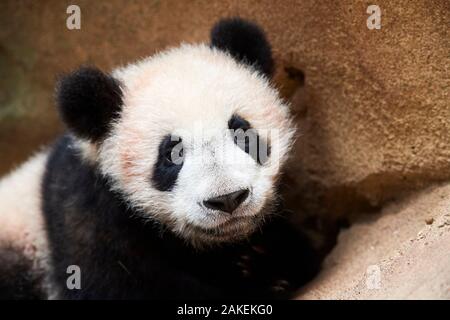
151,192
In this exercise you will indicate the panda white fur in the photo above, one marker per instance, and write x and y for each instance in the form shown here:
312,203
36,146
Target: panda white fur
110,198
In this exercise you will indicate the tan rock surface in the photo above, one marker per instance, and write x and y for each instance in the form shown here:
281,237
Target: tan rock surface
409,244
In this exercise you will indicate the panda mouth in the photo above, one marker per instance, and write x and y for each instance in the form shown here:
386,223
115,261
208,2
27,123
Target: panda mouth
232,227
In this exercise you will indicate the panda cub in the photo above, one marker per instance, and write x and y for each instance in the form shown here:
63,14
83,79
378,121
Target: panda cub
165,184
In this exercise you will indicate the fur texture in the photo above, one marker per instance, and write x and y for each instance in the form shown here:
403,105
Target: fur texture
88,100
19,278
24,253
165,171
123,258
118,205
245,41
192,92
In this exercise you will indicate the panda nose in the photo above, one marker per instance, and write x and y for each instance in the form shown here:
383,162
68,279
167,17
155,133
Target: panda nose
228,202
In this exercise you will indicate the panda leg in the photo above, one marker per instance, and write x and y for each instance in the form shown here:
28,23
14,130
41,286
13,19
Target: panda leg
18,278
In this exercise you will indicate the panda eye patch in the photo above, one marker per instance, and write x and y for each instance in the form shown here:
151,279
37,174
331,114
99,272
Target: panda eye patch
169,163
236,122
174,152
248,140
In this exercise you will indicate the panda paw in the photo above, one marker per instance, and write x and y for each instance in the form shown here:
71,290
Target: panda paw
257,266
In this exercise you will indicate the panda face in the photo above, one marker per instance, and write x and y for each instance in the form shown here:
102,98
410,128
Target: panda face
200,136
183,149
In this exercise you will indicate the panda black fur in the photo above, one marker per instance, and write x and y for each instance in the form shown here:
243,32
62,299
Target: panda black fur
116,210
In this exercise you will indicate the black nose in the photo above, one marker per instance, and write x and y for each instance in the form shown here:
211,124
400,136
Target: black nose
228,202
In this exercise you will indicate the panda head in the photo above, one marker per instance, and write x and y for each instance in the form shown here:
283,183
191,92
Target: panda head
193,137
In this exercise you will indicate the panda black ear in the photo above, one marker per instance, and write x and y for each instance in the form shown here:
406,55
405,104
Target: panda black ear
245,41
88,100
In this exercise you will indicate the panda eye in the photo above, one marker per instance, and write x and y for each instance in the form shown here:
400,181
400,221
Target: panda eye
174,152
248,140
236,123
168,163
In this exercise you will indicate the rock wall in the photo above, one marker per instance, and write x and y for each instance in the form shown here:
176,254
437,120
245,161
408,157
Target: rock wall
372,106
402,254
